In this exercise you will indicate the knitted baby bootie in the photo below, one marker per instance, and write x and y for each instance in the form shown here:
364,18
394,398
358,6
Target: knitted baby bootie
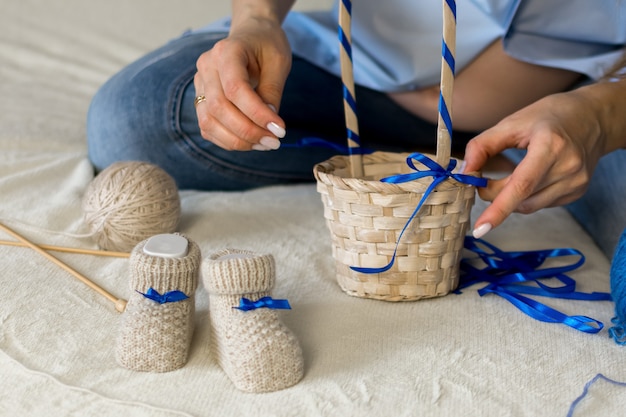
157,324
618,291
255,349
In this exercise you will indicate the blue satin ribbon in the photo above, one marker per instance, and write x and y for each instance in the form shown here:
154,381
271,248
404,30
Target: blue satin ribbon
313,141
508,274
168,297
439,175
265,302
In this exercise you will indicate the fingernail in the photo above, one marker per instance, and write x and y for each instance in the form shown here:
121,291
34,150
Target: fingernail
481,230
275,129
462,167
270,143
259,147
271,106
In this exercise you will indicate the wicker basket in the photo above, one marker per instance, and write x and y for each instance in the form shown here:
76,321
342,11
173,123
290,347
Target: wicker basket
365,218
372,223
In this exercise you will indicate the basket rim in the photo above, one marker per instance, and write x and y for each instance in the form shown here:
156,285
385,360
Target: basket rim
324,173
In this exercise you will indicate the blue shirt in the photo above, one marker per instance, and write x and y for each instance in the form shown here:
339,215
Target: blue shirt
396,44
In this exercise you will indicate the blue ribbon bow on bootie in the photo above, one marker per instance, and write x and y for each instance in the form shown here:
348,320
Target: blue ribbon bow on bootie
246,304
168,297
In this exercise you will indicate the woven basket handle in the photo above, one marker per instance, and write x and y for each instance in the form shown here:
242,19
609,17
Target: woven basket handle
349,98
444,122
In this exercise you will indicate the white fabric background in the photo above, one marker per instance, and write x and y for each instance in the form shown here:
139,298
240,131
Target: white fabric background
456,355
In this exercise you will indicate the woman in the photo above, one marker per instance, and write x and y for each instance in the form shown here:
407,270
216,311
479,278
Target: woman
267,78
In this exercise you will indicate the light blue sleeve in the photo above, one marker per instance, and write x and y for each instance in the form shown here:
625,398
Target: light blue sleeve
395,47
586,36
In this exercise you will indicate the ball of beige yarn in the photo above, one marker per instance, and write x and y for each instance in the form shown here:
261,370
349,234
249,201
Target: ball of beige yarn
128,202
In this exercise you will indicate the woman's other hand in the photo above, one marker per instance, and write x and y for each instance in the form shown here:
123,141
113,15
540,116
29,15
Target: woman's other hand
564,141
242,79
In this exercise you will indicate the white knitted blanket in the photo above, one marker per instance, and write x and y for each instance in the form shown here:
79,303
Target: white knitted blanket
460,355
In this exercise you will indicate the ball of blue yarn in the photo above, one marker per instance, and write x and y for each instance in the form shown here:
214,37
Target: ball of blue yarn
618,291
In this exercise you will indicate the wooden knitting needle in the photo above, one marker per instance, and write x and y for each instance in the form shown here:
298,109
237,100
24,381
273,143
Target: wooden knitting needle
70,250
120,305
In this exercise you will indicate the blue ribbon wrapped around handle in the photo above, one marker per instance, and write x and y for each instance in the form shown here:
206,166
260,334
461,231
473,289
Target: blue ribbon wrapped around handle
508,274
246,304
439,175
315,142
168,297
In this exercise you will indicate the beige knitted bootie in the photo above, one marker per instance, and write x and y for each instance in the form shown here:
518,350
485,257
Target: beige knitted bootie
255,349
157,324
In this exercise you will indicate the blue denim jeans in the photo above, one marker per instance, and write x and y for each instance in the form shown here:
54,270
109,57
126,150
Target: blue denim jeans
146,112
602,210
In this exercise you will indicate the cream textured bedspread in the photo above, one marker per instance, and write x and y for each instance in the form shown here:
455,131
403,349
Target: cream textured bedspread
460,355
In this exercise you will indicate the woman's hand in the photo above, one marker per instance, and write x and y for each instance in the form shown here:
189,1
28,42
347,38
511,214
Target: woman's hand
242,79
564,141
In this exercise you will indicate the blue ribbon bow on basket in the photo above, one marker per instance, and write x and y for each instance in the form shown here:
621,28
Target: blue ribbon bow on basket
508,274
439,175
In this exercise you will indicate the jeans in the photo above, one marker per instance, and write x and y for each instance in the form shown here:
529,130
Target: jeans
146,113
602,210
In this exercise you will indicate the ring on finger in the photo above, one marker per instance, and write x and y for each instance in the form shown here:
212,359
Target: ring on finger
199,99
